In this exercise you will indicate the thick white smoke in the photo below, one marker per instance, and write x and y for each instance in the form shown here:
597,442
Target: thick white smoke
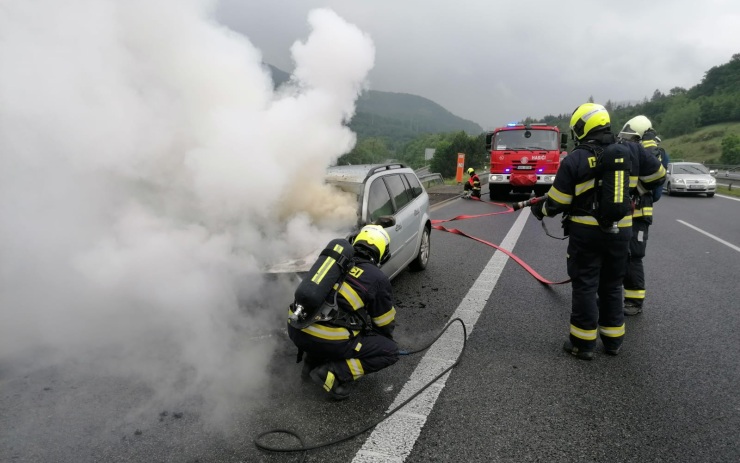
148,171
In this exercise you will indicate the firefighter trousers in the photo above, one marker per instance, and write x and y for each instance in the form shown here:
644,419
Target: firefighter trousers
473,190
596,265
634,279
348,359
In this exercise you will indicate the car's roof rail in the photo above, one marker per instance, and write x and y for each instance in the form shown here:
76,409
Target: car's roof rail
377,169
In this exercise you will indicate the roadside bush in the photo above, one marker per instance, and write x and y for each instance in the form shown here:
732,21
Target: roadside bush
730,150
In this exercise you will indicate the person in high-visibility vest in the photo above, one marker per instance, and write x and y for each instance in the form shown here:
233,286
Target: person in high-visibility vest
472,186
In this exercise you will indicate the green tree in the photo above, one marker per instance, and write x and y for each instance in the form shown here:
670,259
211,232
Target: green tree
682,117
730,150
445,158
657,95
413,152
367,151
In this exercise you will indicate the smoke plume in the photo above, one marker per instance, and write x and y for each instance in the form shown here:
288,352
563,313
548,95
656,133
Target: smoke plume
149,171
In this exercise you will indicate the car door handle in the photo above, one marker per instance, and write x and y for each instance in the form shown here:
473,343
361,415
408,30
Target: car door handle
416,211
398,227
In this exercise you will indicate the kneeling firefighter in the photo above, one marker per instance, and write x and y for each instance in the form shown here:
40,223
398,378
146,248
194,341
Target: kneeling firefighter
343,315
472,186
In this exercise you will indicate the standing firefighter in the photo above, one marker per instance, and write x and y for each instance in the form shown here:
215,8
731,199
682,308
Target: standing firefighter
347,333
640,129
472,186
592,189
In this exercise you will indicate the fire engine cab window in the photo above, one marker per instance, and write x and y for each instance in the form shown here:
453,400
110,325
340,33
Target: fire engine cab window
516,139
379,201
509,139
398,190
544,139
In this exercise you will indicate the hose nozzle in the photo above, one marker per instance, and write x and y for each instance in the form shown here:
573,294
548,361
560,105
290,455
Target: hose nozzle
528,203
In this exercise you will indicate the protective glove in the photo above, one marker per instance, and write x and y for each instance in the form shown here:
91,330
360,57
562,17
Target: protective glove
538,210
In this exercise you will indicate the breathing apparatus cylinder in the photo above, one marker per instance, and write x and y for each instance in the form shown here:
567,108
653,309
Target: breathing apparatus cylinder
315,296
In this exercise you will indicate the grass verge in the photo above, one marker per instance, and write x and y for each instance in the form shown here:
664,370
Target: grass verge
723,190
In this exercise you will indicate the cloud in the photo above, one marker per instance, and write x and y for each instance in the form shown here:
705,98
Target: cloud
551,55
148,172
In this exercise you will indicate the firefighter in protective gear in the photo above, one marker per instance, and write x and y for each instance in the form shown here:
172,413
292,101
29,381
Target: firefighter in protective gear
472,186
639,129
359,338
597,258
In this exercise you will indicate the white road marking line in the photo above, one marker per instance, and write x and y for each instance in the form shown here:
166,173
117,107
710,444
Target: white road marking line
730,245
393,439
727,197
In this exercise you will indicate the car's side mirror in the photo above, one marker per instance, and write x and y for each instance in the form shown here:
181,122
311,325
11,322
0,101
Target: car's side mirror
563,141
385,221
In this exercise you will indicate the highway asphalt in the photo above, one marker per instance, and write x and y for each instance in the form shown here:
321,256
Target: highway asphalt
670,396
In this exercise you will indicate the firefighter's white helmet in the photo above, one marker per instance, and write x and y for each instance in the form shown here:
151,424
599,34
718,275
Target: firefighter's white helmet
635,128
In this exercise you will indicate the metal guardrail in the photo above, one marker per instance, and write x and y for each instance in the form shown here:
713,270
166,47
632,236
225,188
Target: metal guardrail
431,179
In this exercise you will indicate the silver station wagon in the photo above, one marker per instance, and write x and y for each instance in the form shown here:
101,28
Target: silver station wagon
389,195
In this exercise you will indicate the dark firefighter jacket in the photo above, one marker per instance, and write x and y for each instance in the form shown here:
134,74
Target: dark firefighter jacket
644,198
365,295
573,189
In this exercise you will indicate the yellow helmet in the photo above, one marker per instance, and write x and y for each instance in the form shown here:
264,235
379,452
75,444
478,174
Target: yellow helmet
635,128
471,171
375,239
587,117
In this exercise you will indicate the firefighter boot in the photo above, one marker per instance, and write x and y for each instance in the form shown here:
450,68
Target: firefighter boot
578,352
631,308
331,384
612,350
309,363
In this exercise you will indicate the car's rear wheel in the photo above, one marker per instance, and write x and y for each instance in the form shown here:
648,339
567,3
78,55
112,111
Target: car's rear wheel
425,247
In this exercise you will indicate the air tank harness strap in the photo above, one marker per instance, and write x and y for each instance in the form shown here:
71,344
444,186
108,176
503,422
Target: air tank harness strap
343,261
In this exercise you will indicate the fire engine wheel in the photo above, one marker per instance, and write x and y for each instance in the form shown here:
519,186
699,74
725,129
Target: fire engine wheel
425,247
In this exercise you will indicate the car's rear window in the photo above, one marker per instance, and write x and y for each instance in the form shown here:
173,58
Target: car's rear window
379,201
416,188
398,190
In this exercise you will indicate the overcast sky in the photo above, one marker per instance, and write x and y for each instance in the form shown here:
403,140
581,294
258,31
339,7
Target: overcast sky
496,62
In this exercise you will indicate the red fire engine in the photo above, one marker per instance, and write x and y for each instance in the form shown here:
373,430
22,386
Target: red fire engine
524,158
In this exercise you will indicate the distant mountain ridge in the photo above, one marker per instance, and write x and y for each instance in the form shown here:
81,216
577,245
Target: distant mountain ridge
407,115
419,112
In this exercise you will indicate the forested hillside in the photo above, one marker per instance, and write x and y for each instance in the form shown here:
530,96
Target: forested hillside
417,113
